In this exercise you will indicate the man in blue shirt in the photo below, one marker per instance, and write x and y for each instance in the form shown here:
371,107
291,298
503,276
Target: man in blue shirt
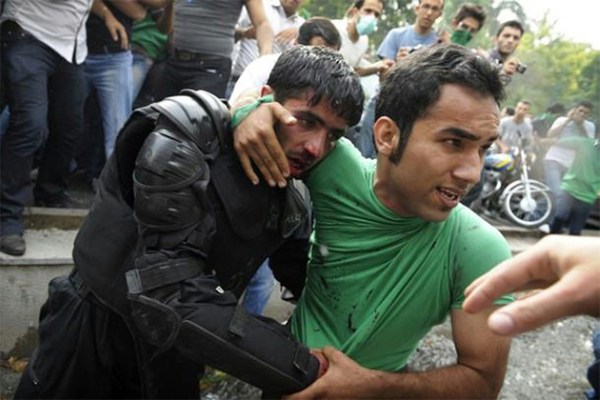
399,41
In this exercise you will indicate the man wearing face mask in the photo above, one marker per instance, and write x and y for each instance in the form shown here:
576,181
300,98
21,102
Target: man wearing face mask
360,22
466,23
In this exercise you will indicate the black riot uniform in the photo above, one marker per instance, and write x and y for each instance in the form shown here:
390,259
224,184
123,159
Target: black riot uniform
174,235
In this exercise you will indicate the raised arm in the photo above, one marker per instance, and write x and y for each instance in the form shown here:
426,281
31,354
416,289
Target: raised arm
262,26
255,141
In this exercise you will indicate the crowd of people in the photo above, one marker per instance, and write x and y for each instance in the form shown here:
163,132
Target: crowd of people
351,197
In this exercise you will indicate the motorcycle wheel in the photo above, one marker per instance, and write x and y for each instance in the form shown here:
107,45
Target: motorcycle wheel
528,213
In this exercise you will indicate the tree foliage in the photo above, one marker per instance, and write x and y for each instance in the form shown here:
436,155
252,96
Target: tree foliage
558,70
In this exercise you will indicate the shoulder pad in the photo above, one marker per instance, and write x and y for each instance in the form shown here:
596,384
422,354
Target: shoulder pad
199,115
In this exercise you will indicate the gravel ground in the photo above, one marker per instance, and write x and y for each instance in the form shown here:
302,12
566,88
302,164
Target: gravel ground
549,363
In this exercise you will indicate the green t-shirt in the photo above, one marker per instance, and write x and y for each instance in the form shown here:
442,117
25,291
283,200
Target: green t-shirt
378,282
146,34
582,180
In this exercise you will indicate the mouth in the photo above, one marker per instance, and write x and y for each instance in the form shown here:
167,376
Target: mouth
450,197
297,166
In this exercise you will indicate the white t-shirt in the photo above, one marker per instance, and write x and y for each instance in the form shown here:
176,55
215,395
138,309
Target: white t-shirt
254,76
563,155
353,52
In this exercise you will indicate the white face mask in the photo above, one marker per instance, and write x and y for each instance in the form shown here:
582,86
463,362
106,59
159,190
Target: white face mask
366,25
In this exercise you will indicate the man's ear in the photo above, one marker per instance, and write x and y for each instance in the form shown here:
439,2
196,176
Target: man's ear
265,90
386,135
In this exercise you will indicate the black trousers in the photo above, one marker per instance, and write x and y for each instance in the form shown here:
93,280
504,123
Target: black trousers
88,351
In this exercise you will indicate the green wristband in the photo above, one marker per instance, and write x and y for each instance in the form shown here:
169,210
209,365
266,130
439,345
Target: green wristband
241,113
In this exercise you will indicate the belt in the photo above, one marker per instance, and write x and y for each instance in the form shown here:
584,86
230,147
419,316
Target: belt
184,55
10,26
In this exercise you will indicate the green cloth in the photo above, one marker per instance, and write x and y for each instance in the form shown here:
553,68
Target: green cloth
241,113
582,180
147,35
378,282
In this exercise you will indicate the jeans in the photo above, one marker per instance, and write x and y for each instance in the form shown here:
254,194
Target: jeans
259,290
362,134
4,118
553,174
211,75
111,75
571,210
140,67
45,98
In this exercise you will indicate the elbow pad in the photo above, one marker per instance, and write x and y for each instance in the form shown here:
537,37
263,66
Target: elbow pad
174,305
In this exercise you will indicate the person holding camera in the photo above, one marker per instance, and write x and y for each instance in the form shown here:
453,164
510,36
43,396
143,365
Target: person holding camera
506,42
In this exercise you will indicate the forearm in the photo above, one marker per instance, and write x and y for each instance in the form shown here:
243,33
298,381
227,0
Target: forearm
453,382
101,10
366,70
557,130
264,38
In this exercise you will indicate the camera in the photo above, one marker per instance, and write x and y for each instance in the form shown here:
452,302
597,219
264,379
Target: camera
521,68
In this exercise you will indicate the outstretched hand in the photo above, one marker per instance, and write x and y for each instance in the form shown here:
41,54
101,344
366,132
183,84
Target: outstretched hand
255,141
569,269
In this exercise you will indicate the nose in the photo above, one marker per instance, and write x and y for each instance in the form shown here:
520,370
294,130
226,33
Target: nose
315,145
469,168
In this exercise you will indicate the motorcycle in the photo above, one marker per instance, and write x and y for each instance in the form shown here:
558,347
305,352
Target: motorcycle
508,190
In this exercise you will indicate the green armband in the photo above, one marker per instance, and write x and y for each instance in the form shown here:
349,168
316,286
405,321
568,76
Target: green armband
241,113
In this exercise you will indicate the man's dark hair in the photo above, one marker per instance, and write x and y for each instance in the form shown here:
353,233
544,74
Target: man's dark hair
414,85
319,27
359,3
320,73
513,23
474,11
586,104
556,108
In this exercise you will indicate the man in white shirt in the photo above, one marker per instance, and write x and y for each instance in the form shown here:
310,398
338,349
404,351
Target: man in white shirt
516,130
284,20
360,22
317,31
558,159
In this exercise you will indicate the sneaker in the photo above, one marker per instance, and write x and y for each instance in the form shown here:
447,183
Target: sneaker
12,244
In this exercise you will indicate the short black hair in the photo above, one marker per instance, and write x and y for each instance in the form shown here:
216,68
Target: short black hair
359,3
513,23
414,85
319,27
556,108
586,104
320,73
471,10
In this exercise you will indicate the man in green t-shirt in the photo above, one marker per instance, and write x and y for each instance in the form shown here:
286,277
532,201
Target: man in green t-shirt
580,185
392,249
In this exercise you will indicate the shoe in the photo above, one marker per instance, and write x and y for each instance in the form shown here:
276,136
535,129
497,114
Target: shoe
61,201
544,228
12,244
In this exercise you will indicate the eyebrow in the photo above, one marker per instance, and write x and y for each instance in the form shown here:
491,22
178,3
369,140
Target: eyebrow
462,134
